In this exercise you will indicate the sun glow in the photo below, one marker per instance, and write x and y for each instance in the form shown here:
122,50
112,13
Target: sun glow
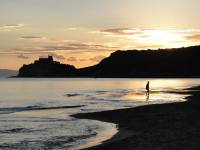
162,38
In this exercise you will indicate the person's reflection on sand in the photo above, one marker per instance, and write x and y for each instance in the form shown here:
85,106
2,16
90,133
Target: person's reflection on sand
147,90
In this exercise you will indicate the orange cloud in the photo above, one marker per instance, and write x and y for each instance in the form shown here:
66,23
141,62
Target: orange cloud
97,58
72,59
120,31
22,56
195,37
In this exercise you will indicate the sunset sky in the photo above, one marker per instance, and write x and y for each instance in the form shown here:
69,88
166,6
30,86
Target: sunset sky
83,32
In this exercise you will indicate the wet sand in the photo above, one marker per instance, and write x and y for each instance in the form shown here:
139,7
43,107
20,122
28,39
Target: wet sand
174,126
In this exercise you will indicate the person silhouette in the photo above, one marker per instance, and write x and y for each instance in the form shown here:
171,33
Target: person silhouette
147,89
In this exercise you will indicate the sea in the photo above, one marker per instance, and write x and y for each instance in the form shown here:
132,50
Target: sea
35,114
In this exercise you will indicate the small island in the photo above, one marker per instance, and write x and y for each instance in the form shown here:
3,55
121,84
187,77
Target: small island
161,63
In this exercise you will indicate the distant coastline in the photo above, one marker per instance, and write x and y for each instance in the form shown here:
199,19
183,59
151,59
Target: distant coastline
6,73
162,63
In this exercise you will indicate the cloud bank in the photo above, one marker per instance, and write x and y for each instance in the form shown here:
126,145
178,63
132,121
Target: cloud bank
156,38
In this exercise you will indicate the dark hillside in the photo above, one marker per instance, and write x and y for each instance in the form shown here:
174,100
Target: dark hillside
167,63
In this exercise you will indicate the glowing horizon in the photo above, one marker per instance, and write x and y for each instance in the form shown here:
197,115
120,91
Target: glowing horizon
83,33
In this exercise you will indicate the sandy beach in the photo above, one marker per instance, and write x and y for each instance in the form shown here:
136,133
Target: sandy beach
174,126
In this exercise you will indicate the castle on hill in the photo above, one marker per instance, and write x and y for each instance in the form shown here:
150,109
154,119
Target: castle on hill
47,67
48,60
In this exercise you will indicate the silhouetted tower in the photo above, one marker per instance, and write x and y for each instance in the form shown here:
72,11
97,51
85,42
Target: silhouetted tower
50,58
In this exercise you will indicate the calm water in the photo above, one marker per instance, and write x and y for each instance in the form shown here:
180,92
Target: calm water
34,113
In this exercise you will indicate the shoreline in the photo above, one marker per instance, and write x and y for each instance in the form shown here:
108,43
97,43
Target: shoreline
159,126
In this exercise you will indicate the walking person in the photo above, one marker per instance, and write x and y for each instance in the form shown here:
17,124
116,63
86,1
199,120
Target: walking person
147,90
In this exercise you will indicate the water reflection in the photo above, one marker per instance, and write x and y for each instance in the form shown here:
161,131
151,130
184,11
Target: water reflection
54,126
148,94
154,96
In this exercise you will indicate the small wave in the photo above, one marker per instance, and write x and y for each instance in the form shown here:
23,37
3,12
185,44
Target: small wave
16,130
57,142
101,92
73,95
37,120
32,108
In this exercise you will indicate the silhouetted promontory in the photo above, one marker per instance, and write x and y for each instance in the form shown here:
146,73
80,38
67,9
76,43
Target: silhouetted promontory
46,67
162,63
